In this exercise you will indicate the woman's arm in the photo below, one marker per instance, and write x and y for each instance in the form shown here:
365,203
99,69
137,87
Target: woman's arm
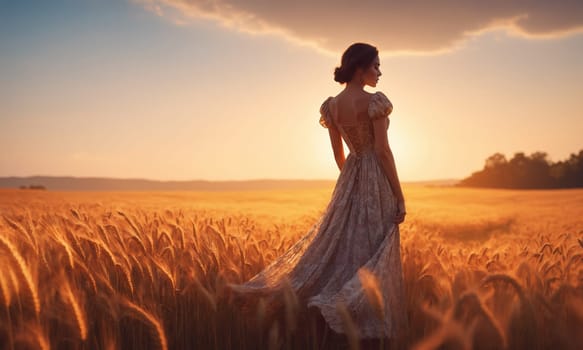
387,160
337,148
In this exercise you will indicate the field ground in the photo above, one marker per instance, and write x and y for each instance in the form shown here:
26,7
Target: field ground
483,268
477,212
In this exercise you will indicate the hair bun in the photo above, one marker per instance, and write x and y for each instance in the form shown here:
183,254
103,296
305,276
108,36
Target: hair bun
340,75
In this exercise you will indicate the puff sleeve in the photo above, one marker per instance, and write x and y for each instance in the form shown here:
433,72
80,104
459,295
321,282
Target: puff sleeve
379,106
325,117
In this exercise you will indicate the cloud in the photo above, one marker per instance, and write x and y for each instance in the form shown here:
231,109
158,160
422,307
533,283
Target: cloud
412,26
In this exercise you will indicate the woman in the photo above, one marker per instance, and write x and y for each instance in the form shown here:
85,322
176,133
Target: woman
358,235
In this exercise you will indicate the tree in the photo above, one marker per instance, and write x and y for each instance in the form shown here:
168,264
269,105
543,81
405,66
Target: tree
495,160
522,171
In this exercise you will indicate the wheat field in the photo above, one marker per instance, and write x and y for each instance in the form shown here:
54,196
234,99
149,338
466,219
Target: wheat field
484,269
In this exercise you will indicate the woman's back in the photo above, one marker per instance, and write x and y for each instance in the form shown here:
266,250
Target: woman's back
352,114
350,108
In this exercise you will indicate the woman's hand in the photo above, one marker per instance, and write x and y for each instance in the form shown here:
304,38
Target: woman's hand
401,212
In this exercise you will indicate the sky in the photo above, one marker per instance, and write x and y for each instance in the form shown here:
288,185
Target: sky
231,90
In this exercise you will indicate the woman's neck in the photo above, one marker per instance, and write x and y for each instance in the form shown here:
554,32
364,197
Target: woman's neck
355,84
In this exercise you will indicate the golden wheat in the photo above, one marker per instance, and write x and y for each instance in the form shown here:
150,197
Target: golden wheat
77,311
480,272
24,271
150,320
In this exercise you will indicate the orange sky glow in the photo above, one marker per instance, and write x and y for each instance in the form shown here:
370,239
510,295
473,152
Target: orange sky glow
184,90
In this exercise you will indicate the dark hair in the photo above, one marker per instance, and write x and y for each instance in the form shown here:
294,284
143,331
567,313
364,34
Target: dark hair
357,55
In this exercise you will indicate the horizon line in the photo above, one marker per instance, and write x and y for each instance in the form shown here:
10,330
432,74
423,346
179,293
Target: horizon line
207,180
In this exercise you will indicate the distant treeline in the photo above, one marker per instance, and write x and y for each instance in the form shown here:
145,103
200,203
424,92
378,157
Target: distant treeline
33,187
534,171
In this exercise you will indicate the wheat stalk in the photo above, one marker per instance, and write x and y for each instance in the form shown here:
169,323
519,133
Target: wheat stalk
150,320
79,318
24,271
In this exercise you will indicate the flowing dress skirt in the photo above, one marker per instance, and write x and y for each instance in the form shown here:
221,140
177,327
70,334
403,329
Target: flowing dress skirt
355,233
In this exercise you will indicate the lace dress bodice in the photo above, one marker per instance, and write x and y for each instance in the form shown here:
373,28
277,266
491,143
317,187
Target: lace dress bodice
359,136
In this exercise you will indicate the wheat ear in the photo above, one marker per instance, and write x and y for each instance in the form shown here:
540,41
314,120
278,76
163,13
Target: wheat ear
24,270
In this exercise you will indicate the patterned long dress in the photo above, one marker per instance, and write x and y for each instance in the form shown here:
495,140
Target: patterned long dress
354,238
